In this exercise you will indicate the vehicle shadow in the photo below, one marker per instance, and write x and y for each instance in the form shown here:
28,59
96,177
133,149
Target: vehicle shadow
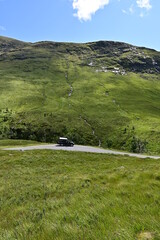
58,145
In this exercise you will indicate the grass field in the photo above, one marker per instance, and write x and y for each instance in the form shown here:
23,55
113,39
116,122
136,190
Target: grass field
49,90
47,195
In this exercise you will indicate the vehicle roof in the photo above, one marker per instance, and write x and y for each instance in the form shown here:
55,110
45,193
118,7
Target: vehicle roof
62,138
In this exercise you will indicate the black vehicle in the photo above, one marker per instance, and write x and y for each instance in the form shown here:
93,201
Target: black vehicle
65,142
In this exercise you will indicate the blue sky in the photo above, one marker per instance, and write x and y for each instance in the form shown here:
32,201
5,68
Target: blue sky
132,21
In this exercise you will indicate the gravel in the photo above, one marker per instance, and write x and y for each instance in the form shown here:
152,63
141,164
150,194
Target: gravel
79,148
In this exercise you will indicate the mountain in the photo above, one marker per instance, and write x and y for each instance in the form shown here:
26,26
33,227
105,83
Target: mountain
99,93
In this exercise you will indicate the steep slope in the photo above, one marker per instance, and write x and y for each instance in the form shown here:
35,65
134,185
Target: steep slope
100,93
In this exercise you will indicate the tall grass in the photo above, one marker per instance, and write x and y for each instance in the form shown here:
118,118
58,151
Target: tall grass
48,195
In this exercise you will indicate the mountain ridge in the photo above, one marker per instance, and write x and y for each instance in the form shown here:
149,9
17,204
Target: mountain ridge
70,42
145,59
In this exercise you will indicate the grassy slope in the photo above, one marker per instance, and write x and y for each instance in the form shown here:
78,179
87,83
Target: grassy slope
48,195
36,79
16,143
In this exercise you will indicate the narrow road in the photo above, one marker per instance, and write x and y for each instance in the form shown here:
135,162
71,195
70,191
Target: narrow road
78,148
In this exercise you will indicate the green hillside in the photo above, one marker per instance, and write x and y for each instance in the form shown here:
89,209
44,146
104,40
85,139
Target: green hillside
100,93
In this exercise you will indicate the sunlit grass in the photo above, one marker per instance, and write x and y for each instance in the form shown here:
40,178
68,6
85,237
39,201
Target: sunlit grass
62,195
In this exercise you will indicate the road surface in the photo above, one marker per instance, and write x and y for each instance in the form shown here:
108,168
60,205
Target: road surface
78,148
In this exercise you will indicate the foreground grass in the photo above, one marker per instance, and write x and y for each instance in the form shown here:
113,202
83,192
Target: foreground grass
48,195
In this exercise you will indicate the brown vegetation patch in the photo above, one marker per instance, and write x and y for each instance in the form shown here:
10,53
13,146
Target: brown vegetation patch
145,236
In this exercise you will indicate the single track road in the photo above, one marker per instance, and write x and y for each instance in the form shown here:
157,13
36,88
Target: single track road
79,148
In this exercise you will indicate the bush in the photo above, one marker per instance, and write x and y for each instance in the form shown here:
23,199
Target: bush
138,146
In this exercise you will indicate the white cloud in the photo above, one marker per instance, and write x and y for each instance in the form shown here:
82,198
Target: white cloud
86,8
144,4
